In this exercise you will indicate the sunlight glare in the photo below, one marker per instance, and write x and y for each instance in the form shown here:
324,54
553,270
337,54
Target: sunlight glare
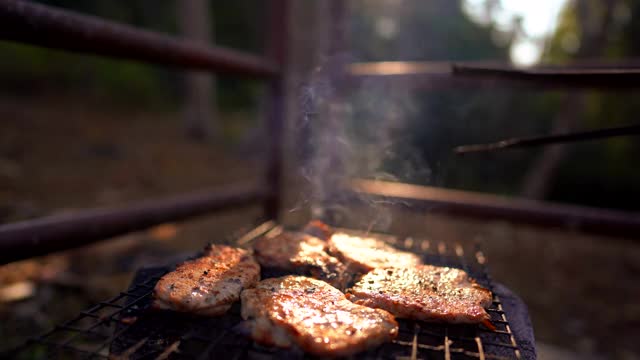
525,53
538,20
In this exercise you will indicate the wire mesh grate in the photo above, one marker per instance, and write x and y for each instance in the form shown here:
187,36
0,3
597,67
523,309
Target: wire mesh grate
122,328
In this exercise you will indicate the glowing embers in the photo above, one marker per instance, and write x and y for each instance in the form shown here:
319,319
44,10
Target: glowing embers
313,315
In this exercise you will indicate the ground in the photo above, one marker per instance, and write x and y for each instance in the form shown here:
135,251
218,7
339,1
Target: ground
59,156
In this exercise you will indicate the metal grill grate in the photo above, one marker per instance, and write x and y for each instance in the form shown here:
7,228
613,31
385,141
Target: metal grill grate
121,328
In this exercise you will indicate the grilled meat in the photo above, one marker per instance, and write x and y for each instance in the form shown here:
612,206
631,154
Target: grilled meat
313,315
301,254
424,292
318,229
208,285
363,254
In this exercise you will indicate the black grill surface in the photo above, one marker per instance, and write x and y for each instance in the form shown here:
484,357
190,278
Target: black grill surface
123,327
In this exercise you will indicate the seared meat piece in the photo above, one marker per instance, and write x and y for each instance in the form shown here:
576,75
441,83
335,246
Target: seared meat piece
313,315
363,254
424,292
318,229
301,254
208,285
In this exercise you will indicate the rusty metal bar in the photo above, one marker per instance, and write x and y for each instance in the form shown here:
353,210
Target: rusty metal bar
556,76
26,22
421,75
60,232
439,75
277,51
481,206
550,139
396,68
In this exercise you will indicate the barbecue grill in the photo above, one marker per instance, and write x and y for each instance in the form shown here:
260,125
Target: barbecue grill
125,327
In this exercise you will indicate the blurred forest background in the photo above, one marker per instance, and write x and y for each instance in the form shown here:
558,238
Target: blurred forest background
80,131
433,122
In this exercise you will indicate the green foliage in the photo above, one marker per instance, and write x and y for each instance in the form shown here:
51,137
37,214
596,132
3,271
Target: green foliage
411,133
565,40
604,170
240,24
425,30
414,132
34,70
28,70
432,123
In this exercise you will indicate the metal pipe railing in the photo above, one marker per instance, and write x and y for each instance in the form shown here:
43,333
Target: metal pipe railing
277,51
60,232
482,206
609,78
26,22
438,75
554,139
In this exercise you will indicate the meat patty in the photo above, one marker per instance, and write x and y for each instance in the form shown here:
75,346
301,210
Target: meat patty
363,254
313,315
301,254
424,292
318,229
208,285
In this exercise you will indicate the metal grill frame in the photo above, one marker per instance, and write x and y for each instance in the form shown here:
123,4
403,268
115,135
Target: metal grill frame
91,333
46,26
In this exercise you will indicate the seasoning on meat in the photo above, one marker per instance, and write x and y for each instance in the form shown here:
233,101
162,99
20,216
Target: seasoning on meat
313,315
208,285
424,292
363,254
301,254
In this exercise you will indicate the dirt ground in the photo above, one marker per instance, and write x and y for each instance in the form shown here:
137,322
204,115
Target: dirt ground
582,290
59,156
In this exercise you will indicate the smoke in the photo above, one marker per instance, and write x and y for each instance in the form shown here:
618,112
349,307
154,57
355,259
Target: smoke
355,131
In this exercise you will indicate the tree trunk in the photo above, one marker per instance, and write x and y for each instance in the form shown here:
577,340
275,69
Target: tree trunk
538,180
200,107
